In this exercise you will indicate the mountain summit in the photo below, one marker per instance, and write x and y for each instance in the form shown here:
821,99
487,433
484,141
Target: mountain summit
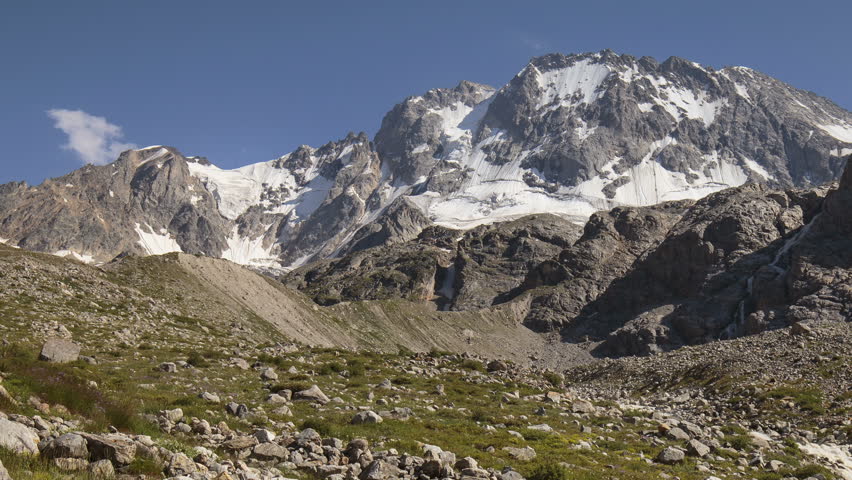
568,135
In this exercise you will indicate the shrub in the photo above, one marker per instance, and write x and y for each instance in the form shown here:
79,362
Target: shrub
323,427
739,442
356,368
549,471
474,365
197,360
554,378
329,368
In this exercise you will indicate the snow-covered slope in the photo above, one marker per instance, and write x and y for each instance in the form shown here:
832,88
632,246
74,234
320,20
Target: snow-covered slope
568,135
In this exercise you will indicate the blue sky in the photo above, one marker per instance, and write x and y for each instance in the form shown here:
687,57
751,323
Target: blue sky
243,82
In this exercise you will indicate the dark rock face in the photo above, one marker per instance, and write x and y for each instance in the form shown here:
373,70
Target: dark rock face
738,262
457,270
491,260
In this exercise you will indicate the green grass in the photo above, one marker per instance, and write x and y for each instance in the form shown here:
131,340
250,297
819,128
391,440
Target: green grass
806,398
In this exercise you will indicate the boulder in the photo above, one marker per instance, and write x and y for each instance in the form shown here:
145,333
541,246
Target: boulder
270,451
102,470
180,464
4,475
313,394
240,443
17,437
379,470
697,449
268,374
582,406
70,464
118,449
670,456
522,454
209,397
366,417
69,445
59,350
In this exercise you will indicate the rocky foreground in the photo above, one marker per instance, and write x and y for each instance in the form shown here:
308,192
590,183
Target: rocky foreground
285,411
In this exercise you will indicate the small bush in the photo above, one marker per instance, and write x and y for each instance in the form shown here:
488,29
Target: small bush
554,378
474,365
145,466
549,471
197,360
330,368
356,368
739,442
323,427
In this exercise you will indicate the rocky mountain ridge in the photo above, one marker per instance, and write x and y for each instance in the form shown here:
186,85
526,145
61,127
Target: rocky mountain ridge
568,135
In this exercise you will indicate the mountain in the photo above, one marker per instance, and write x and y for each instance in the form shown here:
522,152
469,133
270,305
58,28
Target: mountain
568,135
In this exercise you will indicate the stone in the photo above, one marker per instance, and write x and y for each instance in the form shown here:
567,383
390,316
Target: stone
497,366
677,434
283,411
168,367
70,464
541,428
174,415
236,409
522,454
582,406
263,435
268,374
366,417
379,470
801,328
180,464
697,449
18,437
240,363
275,399
58,350
209,397
69,445
102,470
313,394
270,451
670,456
118,449
4,474
240,443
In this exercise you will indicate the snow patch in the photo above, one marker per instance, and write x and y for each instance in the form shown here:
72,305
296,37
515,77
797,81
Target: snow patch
111,194
156,244
250,251
420,148
758,169
840,152
76,256
646,107
579,83
840,132
839,457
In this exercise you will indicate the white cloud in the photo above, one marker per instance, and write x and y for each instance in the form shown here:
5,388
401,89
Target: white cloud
92,138
535,44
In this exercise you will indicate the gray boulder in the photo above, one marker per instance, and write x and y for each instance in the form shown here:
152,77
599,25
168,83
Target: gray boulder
313,394
69,445
18,438
670,456
58,350
366,417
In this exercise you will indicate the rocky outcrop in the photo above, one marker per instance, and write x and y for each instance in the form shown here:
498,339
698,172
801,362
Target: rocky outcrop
458,270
